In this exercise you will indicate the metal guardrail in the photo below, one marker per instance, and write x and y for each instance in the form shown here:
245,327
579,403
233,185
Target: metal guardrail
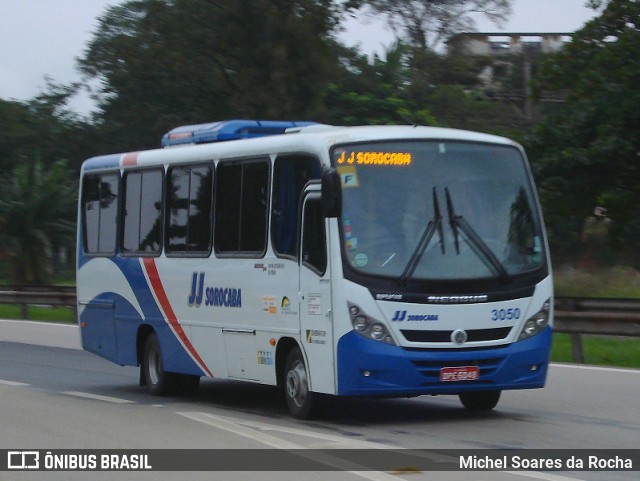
25,296
600,316
573,315
613,317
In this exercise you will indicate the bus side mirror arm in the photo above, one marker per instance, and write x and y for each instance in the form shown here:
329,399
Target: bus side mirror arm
331,194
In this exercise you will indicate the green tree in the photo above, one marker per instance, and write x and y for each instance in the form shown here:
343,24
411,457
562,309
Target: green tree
37,203
373,92
44,128
169,62
587,149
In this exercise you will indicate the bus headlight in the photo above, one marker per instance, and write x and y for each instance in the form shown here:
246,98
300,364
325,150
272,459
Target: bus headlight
536,323
369,327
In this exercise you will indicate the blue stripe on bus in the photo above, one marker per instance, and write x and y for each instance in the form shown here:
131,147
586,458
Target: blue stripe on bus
112,332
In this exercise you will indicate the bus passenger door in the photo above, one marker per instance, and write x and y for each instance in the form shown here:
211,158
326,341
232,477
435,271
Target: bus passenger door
316,324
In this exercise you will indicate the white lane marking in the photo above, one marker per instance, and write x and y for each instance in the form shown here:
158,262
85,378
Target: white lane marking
541,475
233,427
97,397
13,383
225,424
339,440
598,368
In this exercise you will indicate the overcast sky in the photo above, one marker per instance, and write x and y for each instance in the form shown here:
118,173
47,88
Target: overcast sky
41,38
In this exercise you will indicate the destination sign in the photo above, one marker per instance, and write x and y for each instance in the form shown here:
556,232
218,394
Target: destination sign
375,158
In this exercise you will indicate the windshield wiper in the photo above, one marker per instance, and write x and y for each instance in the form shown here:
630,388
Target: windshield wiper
459,222
434,225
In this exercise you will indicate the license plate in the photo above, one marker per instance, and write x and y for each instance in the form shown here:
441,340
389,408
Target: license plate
462,373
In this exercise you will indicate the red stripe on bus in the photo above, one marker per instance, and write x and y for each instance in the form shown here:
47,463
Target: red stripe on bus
156,284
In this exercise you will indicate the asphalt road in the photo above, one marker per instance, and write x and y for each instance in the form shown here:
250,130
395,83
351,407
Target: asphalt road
55,396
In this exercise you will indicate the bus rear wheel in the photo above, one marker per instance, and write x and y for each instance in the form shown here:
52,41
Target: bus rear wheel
153,374
480,400
302,403
158,381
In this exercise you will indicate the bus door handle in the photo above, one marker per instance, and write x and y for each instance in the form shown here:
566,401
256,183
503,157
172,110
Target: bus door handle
238,331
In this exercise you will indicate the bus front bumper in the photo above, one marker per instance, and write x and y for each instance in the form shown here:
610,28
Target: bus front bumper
372,368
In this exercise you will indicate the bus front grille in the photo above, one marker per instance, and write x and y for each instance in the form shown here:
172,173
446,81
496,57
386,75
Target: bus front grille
473,335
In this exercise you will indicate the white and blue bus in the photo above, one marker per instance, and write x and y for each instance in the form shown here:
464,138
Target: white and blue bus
380,261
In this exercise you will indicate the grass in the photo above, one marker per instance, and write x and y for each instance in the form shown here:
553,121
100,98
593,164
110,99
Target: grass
599,350
39,313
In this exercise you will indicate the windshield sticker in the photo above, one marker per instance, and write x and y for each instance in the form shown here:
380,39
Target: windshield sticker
350,242
374,158
361,259
348,176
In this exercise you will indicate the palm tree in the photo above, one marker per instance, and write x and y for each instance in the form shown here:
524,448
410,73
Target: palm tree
37,206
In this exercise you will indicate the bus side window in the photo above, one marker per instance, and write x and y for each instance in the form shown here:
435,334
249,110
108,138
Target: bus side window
290,175
142,224
189,209
242,196
314,247
99,213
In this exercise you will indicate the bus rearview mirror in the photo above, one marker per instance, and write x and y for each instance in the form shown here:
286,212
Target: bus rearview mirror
331,194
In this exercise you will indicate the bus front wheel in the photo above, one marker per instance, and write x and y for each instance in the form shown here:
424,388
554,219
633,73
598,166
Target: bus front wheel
301,401
480,400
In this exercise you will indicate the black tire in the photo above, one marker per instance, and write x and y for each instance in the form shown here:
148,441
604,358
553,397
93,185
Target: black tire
480,400
155,378
158,381
301,401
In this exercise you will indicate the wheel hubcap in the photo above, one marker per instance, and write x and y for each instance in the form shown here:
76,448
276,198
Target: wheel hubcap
297,383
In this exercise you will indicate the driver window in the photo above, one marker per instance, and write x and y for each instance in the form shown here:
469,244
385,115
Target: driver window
314,248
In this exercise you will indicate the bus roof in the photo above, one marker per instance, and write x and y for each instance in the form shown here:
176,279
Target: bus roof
297,137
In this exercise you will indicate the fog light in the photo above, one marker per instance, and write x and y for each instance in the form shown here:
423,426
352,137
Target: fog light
366,373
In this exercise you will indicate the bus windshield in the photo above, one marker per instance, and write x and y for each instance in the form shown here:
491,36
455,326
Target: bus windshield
431,210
